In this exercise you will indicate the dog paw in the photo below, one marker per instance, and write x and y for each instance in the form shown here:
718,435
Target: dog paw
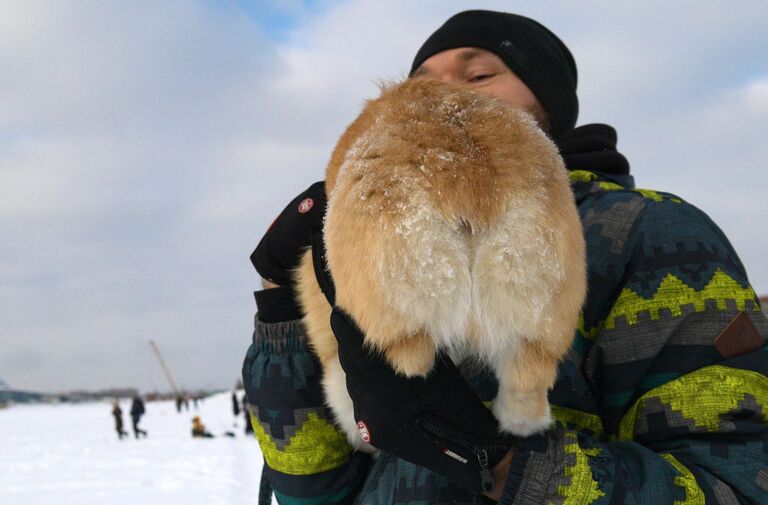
522,414
525,427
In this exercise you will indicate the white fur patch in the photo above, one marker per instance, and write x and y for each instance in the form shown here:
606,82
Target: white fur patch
335,386
516,275
425,276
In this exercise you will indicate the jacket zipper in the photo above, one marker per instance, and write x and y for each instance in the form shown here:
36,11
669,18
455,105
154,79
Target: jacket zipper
480,453
486,479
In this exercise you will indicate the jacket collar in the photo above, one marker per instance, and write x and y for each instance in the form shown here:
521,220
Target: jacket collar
585,182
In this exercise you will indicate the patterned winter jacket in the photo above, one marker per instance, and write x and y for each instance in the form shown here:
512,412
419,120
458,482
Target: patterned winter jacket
661,399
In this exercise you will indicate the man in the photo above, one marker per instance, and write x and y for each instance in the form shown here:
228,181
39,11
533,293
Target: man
117,413
137,410
660,400
235,405
248,428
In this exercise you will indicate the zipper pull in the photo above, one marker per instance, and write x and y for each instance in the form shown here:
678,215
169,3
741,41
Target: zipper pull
486,478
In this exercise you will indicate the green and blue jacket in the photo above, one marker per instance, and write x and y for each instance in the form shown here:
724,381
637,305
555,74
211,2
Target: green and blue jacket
662,398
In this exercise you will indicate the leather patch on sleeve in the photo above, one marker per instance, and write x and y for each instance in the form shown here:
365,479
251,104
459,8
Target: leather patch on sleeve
739,337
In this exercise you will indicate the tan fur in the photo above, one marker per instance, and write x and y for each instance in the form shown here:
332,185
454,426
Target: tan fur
451,225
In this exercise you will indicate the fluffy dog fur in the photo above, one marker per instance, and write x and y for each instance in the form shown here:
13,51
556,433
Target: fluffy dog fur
450,225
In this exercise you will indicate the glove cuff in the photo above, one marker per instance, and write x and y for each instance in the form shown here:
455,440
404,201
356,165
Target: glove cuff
277,305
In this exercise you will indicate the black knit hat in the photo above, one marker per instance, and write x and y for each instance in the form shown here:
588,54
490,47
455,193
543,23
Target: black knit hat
535,54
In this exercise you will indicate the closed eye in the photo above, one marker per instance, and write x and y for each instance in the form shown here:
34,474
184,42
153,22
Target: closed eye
479,77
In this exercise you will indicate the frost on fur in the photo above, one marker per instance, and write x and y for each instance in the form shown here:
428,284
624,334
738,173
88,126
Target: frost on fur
335,387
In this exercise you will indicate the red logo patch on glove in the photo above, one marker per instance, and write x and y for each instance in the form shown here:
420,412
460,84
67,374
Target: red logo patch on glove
364,433
306,205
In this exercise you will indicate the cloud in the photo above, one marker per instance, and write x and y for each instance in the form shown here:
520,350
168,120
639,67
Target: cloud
722,167
755,96
114,118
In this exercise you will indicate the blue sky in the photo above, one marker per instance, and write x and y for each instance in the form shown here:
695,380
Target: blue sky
146,146
277,19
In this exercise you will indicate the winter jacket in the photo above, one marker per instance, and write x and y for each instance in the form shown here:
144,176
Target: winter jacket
660,400
137,408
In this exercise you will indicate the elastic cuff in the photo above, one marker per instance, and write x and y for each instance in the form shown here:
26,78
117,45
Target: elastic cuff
277,305
279,338
535,481
341,481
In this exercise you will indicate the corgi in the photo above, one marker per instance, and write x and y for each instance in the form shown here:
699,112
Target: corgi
450,225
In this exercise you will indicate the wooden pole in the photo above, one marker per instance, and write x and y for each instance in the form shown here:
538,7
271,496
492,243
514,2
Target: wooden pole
168,376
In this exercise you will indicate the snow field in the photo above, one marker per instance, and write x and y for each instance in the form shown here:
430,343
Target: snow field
70,454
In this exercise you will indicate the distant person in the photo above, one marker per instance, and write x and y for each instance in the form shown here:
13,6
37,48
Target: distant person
246,412
137,410
198,429
235,404
179,401
186,401
117,412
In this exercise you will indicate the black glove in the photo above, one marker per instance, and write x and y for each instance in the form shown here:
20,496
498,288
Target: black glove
279,251
437,422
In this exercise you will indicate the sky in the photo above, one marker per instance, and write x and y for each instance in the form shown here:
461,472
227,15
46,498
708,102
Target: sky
146,146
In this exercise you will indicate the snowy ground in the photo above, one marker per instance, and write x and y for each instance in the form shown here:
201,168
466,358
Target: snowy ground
70,454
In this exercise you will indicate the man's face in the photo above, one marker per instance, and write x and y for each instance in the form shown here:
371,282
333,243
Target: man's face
485,72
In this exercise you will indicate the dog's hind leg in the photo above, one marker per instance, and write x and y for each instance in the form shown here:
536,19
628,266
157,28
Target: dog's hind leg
521,405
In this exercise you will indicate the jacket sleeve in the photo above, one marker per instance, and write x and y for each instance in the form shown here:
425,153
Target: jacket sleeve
307,459
676,362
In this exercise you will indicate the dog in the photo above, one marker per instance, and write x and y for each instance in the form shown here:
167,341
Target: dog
450,226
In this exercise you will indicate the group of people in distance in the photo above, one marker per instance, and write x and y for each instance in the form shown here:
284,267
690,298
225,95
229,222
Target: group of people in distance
198,428
137,410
